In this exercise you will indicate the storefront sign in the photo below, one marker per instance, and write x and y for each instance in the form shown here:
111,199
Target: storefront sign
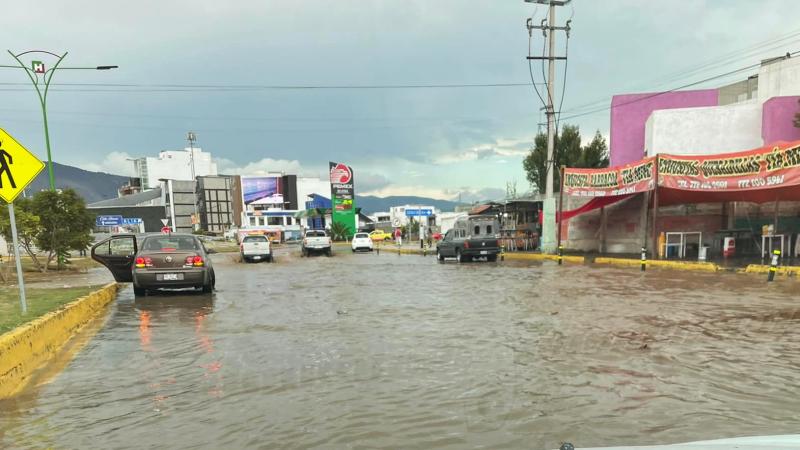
611,181
762,168
343,195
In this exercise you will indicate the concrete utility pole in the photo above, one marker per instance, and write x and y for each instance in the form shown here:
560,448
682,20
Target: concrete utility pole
192,138
548,28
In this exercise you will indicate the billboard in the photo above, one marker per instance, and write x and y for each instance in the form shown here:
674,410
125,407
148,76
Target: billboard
262,190
343,208
610,181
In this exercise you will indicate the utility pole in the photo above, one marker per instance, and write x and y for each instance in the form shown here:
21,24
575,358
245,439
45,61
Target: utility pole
192,138
548,30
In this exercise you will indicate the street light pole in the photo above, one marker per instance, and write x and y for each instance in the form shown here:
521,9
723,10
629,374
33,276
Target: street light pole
192,138
37,68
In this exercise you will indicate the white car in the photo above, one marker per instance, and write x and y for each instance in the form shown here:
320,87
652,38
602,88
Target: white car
361,241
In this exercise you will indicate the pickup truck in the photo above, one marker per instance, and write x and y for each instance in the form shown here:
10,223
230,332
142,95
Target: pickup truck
256,248
471,237
316,241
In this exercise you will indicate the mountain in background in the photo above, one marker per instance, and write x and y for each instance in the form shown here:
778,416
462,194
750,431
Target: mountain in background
96,186
92,186
370,204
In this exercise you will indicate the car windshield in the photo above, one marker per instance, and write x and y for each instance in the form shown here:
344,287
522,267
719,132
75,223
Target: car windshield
316,233
361,236
254,239
170,243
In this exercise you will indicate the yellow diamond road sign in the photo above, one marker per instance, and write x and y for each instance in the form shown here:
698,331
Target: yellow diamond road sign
18,167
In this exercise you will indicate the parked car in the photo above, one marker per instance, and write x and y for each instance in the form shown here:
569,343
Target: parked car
380,235
256,248
471,237
157,261
361,241
316,241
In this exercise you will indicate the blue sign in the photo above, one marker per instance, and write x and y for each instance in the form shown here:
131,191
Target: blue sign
419,212
108,221
131,220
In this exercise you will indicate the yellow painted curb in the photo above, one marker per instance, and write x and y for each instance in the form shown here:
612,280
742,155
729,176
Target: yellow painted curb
781,270
676,265
28,347
545,257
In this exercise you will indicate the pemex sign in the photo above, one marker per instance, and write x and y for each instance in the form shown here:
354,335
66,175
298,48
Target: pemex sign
343,207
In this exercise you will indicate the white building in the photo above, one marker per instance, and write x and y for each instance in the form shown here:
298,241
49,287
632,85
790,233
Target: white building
749,114
174,165
399,214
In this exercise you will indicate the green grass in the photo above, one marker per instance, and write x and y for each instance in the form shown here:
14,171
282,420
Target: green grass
223,246
40,302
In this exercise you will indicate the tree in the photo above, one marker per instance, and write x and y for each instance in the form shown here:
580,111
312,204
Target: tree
65,224
339,231
567,152
28,227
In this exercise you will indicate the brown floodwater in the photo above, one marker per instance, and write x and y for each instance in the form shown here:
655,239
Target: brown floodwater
389,351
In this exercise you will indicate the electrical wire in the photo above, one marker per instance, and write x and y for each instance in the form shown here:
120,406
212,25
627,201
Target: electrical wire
132,87
647,97
530,70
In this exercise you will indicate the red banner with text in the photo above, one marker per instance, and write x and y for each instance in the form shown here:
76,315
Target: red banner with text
610,181
775,166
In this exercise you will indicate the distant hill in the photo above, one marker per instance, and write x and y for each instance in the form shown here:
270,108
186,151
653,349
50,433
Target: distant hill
92,186
370,204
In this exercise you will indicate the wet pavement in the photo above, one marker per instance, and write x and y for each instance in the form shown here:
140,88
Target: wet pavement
368,351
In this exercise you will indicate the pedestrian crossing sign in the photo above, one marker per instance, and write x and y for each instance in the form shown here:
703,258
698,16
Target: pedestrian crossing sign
18,167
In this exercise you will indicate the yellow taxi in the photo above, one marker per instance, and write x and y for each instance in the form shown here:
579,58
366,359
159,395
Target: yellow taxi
380,235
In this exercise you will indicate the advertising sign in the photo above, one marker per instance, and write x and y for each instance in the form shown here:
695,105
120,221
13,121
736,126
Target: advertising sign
343,195
763,168
612,181
264,190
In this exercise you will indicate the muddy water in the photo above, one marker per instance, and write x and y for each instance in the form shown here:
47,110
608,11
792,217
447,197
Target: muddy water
365,351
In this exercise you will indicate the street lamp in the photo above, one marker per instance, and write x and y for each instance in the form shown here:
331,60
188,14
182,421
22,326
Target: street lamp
38,68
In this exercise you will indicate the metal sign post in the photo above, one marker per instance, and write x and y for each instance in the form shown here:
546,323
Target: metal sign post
22,301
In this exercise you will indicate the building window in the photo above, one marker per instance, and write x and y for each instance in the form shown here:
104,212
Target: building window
288,221
274,221
252,221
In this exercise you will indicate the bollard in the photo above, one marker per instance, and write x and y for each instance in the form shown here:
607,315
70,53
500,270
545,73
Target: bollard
425,250
379,248
502,253
773,267
560,253
644,259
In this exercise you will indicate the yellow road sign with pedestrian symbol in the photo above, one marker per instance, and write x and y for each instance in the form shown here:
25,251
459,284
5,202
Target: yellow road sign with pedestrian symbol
18,167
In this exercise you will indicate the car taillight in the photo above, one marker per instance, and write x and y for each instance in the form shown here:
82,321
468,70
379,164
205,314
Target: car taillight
466,244
194,260
143,262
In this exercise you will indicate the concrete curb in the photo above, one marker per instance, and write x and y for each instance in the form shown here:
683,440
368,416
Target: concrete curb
791,271
28,347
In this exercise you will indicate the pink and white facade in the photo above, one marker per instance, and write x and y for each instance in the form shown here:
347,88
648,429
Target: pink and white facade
740,116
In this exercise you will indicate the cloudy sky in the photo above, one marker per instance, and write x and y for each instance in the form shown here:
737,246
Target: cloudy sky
211,66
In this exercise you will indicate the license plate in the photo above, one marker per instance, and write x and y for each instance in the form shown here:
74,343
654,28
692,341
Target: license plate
171,276
484,252
256,258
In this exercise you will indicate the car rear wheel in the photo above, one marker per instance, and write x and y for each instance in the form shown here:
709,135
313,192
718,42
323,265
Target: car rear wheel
209,286
439,255
461,258
139,292
328,252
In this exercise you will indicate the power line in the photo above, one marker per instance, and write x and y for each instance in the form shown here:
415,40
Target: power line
647,97
142,87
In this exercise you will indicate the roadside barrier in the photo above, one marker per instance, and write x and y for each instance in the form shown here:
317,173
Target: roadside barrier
644,259
773,266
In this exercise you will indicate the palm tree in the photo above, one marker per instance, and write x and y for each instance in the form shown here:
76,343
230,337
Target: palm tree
339,231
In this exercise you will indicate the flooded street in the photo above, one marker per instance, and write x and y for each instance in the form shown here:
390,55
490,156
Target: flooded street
367,351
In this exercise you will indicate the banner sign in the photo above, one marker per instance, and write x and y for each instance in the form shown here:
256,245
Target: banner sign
343,195
610,181
763,168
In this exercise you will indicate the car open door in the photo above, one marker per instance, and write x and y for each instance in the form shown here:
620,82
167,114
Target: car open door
117,254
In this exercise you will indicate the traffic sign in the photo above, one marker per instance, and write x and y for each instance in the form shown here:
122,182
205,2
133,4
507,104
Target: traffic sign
165,221
166,230
108,221
131,220
418,212
18,167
